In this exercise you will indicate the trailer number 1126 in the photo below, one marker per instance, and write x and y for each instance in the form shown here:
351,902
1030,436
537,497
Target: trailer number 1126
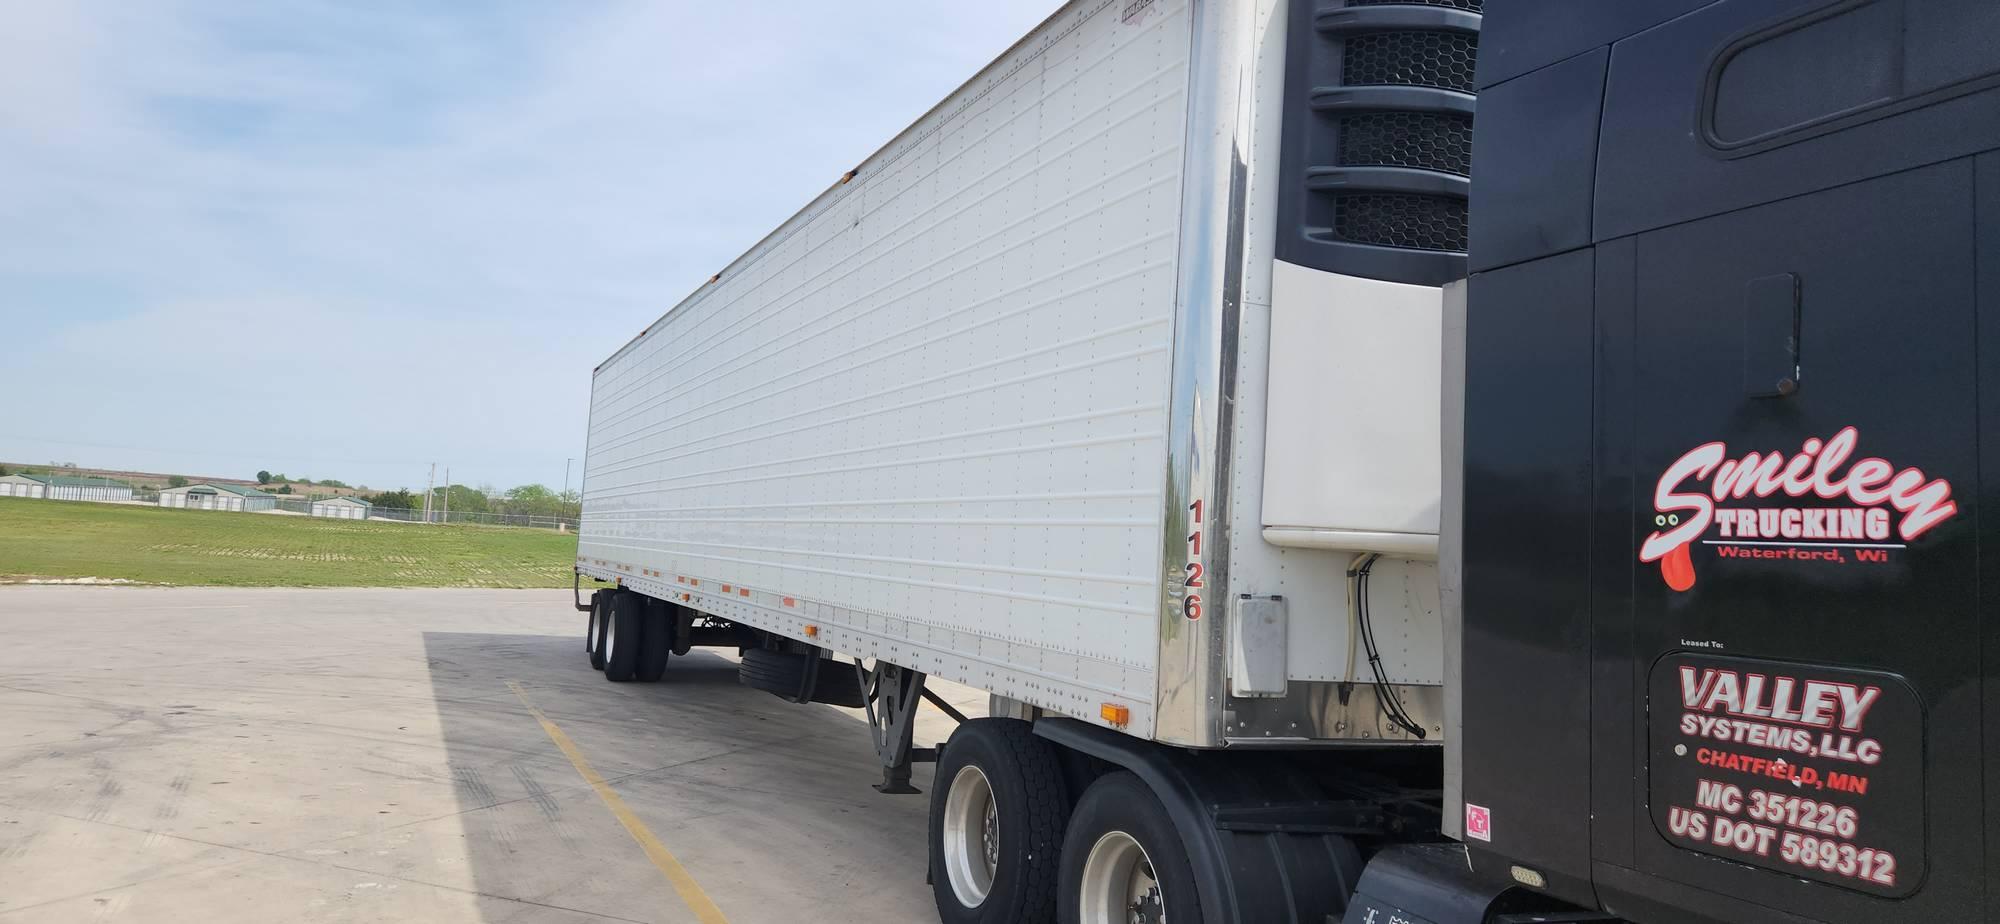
1191,602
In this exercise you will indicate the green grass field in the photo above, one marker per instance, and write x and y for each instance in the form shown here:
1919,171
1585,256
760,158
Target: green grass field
64,539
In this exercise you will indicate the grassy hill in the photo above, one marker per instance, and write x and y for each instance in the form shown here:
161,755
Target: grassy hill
61,539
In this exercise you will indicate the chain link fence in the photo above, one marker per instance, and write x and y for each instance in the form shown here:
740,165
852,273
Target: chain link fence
567,524
302,506
402,515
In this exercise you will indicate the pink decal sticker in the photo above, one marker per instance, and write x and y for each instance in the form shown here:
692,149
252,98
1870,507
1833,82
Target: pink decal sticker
1478,822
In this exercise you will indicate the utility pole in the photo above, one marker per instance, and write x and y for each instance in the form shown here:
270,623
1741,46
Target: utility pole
447,494
563,498
430,488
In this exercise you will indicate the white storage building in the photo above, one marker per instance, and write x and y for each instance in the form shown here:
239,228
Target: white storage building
23,486
217,497
341,508
65,487
71,487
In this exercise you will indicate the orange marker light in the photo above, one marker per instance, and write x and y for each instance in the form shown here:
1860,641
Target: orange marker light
791,602
743,591
1117,715
726,588
812,631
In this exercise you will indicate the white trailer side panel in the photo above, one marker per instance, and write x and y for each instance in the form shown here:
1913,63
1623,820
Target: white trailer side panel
927,415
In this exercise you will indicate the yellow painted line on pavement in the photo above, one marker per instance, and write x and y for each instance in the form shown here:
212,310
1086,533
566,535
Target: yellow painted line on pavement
677,875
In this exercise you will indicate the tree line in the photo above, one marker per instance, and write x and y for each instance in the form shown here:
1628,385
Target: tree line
265,477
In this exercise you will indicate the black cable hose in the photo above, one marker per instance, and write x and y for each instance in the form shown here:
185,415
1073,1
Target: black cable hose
1387,699
1385,694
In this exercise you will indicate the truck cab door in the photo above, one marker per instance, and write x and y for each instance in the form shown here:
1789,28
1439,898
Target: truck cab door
1787,606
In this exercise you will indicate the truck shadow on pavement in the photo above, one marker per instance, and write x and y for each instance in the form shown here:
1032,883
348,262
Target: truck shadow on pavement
766,804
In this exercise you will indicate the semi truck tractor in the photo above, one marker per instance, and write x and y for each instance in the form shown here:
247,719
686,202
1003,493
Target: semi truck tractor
1386,461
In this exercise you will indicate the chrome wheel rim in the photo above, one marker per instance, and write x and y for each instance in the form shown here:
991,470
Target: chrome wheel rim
971,836
1119,885
610,638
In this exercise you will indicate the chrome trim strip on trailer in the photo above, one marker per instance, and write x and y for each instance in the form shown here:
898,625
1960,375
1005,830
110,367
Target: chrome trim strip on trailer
1208,300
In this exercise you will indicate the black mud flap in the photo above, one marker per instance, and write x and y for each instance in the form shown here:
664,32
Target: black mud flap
1434,884
1422,884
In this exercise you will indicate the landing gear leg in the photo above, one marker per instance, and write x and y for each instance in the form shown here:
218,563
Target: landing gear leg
892,694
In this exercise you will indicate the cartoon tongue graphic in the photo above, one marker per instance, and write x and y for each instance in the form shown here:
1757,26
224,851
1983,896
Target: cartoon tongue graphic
1677,568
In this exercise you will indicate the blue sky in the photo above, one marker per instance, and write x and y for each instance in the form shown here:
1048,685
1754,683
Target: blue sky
350,239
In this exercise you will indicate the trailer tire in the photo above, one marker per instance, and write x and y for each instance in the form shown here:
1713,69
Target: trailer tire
593,637
995,771
624,629
1122,850
656,641
782,673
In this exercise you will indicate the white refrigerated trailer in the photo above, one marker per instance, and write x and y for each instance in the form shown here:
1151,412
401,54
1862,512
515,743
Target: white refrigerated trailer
1112,387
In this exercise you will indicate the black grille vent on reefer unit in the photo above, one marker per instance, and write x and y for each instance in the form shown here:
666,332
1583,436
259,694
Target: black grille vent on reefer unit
1409,222
1409,59
1425,140
1378,137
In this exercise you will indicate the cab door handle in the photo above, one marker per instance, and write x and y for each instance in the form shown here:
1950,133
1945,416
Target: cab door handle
1771,336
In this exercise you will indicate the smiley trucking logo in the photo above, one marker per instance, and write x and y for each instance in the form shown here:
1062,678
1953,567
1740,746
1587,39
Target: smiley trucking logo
1870,508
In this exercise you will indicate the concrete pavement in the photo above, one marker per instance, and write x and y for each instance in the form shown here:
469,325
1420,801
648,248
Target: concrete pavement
224,755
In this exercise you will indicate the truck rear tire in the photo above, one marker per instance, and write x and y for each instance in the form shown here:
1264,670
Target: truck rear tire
593,637
782,673
998,807
623,632
656,640
1122,860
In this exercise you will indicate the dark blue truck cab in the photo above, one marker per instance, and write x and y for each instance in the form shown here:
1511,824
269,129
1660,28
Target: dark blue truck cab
1732,417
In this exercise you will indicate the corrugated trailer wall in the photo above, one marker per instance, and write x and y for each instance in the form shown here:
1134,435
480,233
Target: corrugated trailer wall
929,411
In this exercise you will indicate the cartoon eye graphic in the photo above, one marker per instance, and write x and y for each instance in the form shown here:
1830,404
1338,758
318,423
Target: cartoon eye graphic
1660,520
1674,520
